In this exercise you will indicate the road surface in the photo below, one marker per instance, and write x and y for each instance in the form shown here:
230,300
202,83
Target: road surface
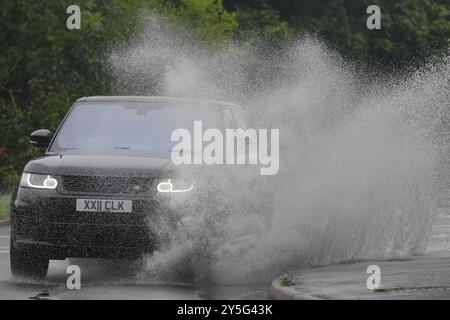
421,277
100,281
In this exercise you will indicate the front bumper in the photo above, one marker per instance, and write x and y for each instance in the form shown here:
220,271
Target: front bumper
46,221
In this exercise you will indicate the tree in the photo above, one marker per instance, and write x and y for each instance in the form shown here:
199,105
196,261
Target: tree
411,29
45,66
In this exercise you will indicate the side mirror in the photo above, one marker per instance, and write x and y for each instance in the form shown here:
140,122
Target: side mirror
41,138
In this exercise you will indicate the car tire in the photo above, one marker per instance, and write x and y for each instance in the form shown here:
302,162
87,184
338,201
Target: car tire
28,264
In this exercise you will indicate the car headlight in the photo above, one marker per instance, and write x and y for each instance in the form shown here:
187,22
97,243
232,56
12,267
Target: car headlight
174,186
38,181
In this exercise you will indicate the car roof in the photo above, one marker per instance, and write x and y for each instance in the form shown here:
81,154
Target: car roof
156,99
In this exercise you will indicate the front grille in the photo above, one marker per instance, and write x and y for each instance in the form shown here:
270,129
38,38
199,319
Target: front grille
105,185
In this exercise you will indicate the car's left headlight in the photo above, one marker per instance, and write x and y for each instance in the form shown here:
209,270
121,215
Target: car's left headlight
38,181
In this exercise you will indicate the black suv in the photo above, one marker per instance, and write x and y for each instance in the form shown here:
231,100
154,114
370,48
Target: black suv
94,192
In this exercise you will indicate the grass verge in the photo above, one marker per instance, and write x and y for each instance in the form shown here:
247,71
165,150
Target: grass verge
286,282
4,206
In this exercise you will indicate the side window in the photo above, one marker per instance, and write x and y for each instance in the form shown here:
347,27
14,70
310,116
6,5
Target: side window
228,120
239,118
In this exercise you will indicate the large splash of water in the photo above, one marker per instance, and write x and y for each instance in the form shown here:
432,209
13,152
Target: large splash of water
360,158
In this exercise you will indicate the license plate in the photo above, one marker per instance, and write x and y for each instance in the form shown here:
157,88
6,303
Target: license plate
99,205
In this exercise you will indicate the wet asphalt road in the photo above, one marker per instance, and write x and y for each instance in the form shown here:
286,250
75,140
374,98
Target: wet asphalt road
99,280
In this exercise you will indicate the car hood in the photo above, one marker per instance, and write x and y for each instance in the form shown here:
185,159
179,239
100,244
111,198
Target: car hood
103,165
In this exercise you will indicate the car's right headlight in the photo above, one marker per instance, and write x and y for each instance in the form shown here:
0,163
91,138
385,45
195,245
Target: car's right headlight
38,181
175,186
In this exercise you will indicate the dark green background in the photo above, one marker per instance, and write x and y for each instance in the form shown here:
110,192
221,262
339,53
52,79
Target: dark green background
44,66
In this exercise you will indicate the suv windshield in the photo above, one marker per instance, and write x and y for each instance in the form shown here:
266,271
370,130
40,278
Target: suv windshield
130,125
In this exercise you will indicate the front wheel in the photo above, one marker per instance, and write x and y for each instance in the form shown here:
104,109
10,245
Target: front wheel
28,264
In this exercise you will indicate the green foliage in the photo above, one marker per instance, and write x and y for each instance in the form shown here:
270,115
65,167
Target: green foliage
44,66
258,20
411,29
4,206
207,18
43,70
286,282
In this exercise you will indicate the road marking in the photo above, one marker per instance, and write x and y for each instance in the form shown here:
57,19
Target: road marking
4,237
4,251
4,247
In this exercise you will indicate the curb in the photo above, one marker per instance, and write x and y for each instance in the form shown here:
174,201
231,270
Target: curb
4,222
279,292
